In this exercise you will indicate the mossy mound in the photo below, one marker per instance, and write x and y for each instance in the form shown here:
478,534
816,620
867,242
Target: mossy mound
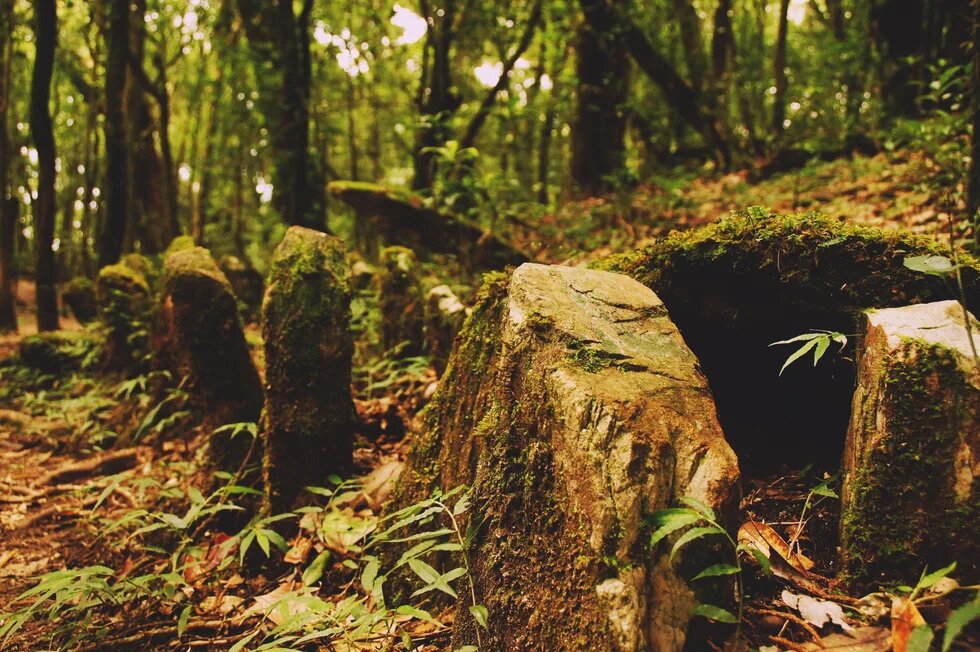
58,352
309,418
387,216
565,459
124,308
180,243
202,339
911,491
79,296
400,301
737,286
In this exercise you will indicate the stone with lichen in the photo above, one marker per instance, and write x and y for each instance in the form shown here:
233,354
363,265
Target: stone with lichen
123,297
912,457
309,417
573,409
201,340
79,296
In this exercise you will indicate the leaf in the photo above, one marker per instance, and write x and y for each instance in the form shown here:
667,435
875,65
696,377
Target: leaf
415,612
712,612
905,619
960,619
926,581
480,615
799,353
920,639
823,344
671,520
691,535
314,571
370,574
823,490
700,508
934,265
182,620
816,612
717,570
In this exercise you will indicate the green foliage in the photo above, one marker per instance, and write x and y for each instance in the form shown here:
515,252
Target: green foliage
817,341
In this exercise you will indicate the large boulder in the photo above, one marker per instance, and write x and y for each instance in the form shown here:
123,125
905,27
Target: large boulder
79,296
309,417
573,409
386,216
736,286
401,302
202,341
124,307
911,496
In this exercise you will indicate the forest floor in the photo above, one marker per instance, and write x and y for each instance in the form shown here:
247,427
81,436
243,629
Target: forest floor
67,504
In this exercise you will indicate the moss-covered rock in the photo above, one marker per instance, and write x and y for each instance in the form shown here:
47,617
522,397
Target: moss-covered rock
386,216
202,341
565,460
401,302
180,243
124,308
58,352
444,317
247,283
911,494
79,296
309,418
736,286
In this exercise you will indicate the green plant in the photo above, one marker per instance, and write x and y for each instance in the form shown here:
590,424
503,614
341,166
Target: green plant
817,340
675,519
922,636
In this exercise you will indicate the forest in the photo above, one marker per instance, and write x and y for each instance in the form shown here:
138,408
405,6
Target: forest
585,325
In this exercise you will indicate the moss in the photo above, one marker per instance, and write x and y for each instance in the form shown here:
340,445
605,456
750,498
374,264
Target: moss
903,514
308,348
79,295
124,307
193,261
180,243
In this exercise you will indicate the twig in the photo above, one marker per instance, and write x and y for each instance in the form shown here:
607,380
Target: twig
138,640
792,618
788,644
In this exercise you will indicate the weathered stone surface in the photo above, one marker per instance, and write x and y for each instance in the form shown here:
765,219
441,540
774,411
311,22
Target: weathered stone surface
444,317
79,296
246,282
736,286
911,496
201,339
573,409
309,419
386,216
401,302
124,308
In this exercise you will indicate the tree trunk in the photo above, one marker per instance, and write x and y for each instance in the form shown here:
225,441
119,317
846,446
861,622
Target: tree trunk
281,38
974,183
45,271
8,222
779,71
690,25
722,52
599,124
117,166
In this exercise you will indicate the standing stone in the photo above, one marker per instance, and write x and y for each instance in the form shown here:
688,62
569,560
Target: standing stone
444,317
246,282
79,296
309,418
574,410
202,340
401,302
912,457
123,297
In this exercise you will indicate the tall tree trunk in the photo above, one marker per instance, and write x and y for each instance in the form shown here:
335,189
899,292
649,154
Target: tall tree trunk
113,232
45,271
281,38
779,71
599,124
974,183
355,154
690,24
8,221
722,52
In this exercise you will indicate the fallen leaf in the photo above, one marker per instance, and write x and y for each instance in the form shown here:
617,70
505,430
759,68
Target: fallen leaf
765,539
875,605
299,552
859,639
816,612
905,618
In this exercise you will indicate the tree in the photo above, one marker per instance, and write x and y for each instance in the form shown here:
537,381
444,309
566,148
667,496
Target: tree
779,71
113,232
45,270
280,41
8,217
973,202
